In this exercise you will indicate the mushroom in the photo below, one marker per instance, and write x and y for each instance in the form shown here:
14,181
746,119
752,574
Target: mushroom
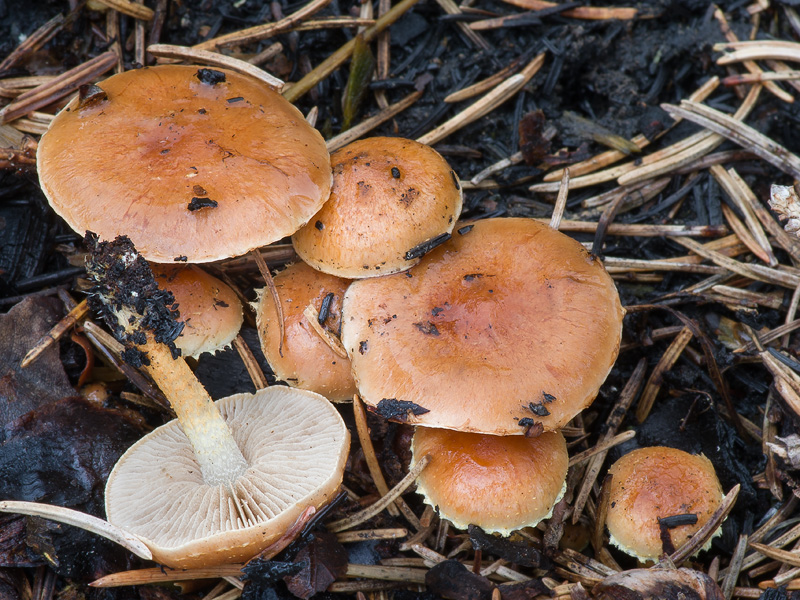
657,492
499,483
210,309
509,328
295,445
392,200
302,358
214,486
216,163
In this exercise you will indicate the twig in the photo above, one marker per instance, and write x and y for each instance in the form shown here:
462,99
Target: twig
486,104
378,506
204,57
561,201
702,535
327,66
372,122
250,363
369,452
261,32
668,359
78,519
602,446
270,283
738,132
55,334
64,84
333,342
126,7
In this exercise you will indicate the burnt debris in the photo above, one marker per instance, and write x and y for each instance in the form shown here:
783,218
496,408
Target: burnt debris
124,285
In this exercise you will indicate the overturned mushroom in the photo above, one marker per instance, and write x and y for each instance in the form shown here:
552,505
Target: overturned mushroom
214,486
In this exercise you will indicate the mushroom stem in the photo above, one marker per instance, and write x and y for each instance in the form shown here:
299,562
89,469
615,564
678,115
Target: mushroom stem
141,316
221,461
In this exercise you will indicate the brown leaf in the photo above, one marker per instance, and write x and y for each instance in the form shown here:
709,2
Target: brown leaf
42,382
325,560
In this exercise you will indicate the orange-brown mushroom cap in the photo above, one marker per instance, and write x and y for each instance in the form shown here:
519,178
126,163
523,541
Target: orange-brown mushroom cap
389,196
508,324
210,309
499,483
295,444
658,482
305,360
184,163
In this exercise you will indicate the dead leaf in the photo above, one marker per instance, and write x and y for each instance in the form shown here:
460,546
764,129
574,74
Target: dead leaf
324,560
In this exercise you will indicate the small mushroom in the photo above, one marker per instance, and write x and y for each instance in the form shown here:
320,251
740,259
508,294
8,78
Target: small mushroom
191,164
303,359
210,308
650,486
499,483
509,328
392,198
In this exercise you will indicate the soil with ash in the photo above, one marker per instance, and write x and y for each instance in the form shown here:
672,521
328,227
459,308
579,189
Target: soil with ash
600,77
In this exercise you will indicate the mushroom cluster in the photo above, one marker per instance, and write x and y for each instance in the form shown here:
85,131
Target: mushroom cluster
220,166
502,334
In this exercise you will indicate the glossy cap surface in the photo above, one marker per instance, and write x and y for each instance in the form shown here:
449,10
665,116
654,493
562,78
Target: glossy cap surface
210,309
508,325
389,196
499,483
658,482
185,164
305,360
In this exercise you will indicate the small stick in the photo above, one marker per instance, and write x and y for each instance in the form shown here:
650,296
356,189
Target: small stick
451,8
602,446
61,86
333,342
55,334
261,32
609,157
626,397
204,57
34,41
702,535
250,363
386,573
760,77
645,230
327,66
729,582
378,506
561,201
372,122
739,133
264,270
589,13
369,452
485,85
749,64
371,534
668,359
729,183
126,7
751,271
757,50
486,104
78,519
